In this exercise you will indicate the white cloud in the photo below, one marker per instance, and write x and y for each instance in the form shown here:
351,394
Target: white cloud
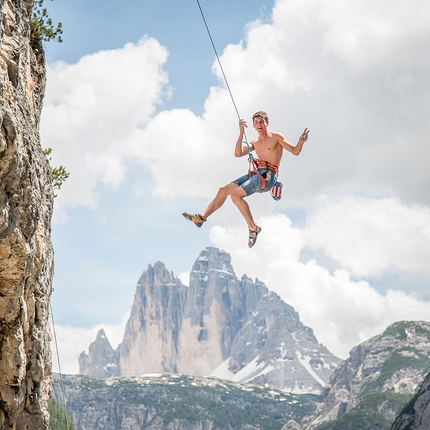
306,69
341,311
185,278
373,33
370,237
92,111
354,73
72,341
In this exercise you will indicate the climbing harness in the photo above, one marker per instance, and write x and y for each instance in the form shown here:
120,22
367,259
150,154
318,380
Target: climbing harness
253,163
260,164
276,190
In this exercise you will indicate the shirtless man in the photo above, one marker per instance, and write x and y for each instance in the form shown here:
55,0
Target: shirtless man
269,148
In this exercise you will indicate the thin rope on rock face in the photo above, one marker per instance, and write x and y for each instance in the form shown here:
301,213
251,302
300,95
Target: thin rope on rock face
59,367
223,74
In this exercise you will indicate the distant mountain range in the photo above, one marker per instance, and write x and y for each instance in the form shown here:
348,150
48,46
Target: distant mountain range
226,353
220,325
367,391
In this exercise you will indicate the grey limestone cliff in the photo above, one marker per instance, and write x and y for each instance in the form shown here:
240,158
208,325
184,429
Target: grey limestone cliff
393,362
222,326
26,255
416,415
101,360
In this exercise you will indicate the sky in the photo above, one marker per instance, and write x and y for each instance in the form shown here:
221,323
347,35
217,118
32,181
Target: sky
137,111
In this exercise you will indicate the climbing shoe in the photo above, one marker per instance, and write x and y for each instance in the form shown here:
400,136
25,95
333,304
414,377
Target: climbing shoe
197,219
253,236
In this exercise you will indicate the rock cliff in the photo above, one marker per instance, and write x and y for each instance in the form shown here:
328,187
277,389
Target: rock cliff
221,326
416,415
102,359
387,369
26,255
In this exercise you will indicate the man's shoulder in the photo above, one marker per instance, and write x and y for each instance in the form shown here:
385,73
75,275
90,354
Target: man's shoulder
276,134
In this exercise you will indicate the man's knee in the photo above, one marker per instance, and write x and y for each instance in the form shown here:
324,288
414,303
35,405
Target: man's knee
238,195
228,189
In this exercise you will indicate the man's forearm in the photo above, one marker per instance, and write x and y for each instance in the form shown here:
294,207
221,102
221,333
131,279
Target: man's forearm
298,148
238,150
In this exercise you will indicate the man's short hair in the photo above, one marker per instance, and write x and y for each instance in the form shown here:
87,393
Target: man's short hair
260,114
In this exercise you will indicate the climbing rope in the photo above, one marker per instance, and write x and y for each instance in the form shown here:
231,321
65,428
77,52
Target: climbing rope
59,366
250,157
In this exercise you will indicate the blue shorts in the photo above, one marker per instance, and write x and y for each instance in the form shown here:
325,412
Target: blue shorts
251,184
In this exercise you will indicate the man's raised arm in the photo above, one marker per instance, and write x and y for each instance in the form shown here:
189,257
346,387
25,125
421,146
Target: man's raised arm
240,149
295,150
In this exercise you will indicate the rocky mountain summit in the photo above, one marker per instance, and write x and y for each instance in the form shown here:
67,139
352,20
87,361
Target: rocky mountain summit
26,200
220,325
101,360
380,375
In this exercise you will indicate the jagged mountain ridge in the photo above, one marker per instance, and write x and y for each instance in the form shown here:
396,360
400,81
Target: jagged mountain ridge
367,391
219,325
394,362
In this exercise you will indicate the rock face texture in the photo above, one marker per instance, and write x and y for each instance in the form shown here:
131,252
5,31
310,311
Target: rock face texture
176,402
26,255
395,361
102,359
220,326
416,415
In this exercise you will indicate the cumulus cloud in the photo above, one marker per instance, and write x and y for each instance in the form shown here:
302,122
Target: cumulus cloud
343,312
92,111
354,73
370,237
307,67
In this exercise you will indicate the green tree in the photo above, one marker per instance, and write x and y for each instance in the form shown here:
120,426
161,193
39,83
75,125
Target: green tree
58,417
41,24
59,174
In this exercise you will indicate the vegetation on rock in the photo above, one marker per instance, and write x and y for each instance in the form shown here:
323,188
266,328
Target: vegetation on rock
59,174
376,411
58,418
42,27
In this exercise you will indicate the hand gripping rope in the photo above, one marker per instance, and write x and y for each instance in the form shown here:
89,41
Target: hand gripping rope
276,190
250,157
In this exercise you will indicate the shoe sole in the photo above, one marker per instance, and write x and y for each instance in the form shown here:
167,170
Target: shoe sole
254,241
194,219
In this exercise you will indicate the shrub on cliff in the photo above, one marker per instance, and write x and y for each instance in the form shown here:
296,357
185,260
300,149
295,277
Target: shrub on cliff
41,24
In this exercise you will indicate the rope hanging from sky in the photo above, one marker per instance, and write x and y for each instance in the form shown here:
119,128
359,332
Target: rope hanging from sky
223,74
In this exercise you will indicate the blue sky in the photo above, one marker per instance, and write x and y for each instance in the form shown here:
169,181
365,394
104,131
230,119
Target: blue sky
137,111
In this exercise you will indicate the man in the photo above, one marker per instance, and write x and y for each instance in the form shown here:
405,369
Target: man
269,148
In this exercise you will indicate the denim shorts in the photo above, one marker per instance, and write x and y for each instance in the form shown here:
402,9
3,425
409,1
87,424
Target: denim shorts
251,184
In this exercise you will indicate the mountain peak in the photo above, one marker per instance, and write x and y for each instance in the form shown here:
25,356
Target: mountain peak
396,360
219,325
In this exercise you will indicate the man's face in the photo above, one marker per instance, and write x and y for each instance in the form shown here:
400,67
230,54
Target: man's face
260,124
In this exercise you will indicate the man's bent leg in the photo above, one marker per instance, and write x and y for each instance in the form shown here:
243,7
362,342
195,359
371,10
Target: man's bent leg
238,199
219,199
